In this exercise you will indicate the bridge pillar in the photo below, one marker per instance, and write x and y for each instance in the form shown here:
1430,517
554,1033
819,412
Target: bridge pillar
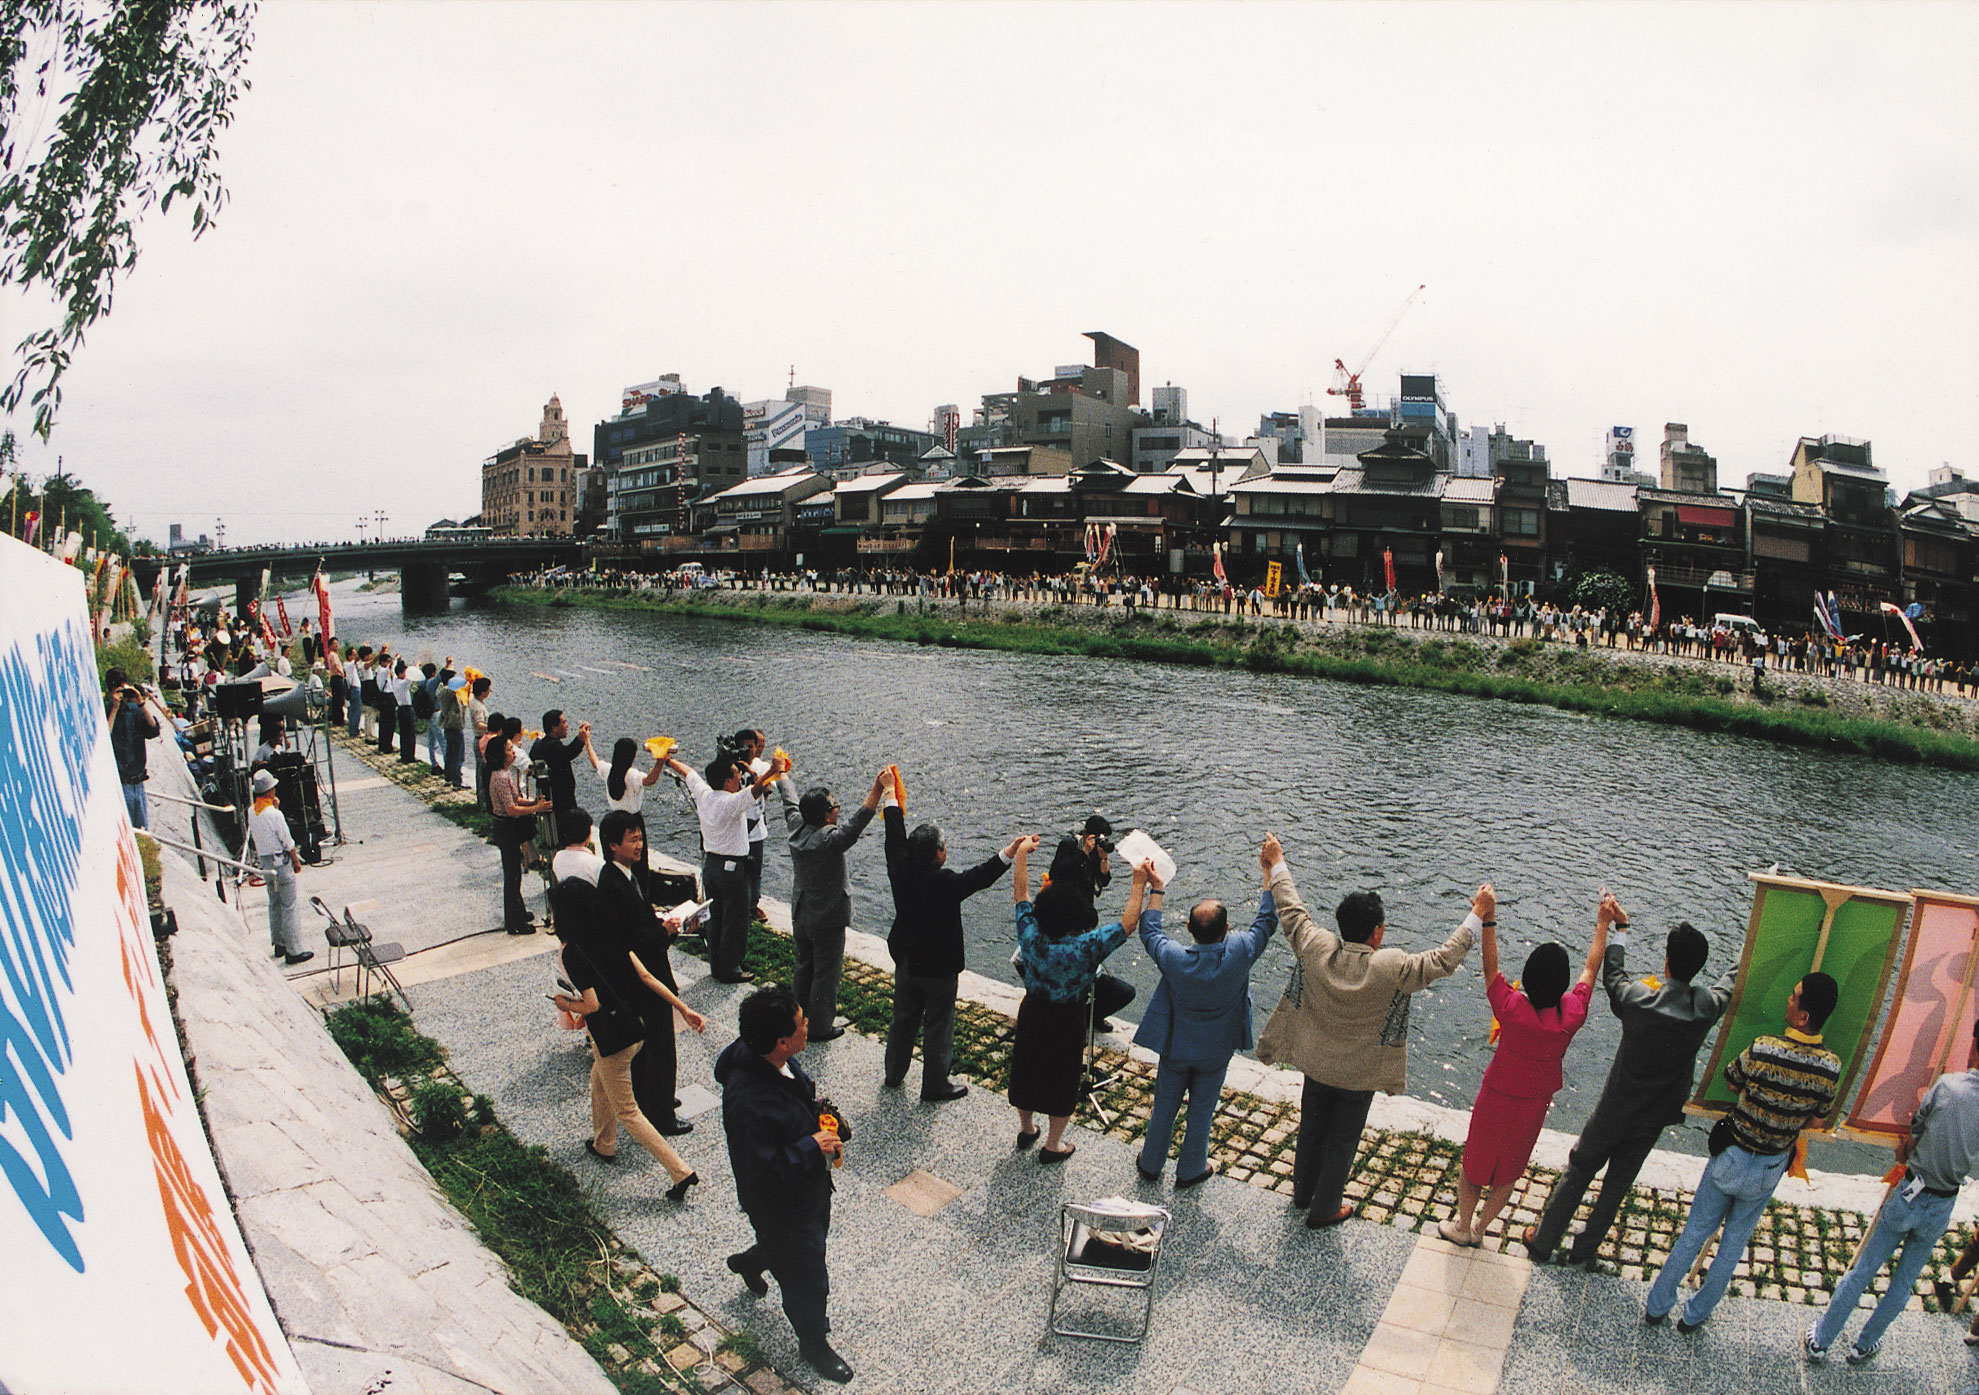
423,588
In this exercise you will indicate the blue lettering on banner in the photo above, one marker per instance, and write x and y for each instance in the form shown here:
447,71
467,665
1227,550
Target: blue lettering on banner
50,722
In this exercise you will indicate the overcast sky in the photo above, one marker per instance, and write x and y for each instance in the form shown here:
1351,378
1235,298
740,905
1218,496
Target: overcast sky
1757,219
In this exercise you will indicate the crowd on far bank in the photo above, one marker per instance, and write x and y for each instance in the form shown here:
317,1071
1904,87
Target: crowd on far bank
1881,660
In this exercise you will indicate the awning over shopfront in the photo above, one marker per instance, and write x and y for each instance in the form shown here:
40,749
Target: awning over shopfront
1700,517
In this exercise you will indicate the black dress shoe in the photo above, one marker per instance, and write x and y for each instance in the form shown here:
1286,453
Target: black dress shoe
1182,1183
825,1361
828,1034
674,1128
1686,1328
752,1279
953,1090
892,1082
300,958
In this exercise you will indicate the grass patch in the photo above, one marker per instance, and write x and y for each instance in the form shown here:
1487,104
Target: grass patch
531,1212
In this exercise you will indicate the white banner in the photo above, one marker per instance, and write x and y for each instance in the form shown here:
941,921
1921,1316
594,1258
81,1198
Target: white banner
121,1265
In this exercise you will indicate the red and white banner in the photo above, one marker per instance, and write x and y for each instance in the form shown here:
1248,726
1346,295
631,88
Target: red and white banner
123,1266
321,586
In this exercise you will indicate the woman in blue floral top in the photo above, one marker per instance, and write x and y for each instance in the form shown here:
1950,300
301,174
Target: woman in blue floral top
1058,960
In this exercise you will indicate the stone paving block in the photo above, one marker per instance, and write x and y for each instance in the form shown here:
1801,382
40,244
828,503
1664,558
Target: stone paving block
923,1193
1399,1351
1421,1310
1465,1367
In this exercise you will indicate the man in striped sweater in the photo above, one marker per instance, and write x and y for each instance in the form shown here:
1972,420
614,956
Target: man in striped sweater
1784,1083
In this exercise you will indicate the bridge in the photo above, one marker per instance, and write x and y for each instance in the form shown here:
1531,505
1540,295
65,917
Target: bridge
424,568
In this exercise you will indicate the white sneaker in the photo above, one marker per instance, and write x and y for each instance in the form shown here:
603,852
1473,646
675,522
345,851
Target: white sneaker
1814,1352
1856,1355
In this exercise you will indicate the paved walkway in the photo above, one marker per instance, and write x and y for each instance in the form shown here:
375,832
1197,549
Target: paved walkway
942,1238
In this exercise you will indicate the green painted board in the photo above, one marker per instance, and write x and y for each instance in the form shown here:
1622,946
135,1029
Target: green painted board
1782,940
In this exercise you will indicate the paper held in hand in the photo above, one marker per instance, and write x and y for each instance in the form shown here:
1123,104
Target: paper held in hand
690,914
1138,847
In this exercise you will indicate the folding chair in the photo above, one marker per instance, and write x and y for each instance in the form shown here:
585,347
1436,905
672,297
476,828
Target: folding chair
349,936
1111,1244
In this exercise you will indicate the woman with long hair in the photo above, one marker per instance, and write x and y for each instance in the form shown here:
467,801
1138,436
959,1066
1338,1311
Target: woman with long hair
1537,1021
515,825
1059,951
625,788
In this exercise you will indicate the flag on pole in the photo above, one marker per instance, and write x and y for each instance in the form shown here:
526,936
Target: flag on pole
1216,563
1655,604
1299,553
33,526
1505,573
321,587
1091,545
282,614
1388,566
1904,615
1439,569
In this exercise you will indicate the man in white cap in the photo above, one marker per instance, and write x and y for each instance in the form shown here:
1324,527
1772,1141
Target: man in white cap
275,851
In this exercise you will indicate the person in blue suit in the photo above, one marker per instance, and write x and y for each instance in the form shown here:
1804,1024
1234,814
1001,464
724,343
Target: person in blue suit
1199,1016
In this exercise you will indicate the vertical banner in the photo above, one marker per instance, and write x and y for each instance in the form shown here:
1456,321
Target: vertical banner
121,1265
1932,1009
1274,579
1849,933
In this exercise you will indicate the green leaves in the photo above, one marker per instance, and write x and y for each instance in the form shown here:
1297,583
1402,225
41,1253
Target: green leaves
128,100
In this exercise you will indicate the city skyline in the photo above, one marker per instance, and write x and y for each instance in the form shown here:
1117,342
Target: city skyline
1758,222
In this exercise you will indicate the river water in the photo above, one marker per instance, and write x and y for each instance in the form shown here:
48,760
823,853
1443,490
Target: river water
1417,795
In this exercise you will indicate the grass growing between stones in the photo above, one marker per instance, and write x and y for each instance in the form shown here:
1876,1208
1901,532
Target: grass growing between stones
1597,683
536,1217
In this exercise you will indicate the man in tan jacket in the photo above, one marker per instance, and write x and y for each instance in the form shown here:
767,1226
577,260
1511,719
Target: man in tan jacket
1344,1022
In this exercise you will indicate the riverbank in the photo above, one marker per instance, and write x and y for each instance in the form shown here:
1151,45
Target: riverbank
1793,709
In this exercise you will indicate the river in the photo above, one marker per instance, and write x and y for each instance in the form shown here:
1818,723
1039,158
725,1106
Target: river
1418,795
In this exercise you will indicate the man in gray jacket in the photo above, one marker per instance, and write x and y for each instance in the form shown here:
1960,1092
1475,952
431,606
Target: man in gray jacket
821,894
1663,1028
1344,1022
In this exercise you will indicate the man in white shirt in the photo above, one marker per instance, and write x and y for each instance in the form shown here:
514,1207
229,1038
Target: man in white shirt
723,802
275,850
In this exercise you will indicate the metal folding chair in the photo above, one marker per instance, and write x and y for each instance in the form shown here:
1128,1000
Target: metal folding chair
349,936
1109,1244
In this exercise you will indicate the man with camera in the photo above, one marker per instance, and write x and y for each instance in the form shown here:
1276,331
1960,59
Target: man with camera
130,727
556,749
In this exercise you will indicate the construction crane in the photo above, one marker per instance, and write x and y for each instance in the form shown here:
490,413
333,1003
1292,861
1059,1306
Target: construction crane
1347,381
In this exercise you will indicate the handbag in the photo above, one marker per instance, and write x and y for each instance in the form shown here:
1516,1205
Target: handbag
1722,1136
613,1026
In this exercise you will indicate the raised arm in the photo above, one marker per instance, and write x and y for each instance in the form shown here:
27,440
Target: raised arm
1484,906
1145,888
592,755
1610,912
1020,865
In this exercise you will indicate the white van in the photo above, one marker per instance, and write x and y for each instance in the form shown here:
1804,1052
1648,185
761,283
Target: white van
1738,624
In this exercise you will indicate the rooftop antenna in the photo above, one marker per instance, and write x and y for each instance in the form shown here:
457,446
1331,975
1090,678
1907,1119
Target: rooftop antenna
793,375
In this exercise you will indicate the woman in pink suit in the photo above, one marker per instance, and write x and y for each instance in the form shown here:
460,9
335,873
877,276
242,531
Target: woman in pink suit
1537,1022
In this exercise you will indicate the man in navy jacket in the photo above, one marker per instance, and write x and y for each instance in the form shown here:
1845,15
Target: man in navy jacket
781,1156
926,944
1199,1016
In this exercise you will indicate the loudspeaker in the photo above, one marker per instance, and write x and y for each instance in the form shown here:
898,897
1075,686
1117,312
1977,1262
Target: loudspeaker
295,782
239,701
293,703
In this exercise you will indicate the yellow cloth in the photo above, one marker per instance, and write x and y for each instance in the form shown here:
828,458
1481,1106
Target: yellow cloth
1652,983
262,801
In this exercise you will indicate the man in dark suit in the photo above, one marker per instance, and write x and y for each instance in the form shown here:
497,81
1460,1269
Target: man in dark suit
557,748
926,944
626,917
821,894
781,1155
1663,1029
1199,1016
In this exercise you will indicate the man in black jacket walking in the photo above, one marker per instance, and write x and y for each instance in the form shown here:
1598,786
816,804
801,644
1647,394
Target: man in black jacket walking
781,1155
926,944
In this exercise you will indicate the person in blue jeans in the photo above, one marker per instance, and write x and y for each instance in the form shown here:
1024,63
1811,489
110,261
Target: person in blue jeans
1940,1151
1199,1016
1784,1082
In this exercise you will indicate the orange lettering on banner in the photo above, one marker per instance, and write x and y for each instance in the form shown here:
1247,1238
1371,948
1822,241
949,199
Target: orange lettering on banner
212,1286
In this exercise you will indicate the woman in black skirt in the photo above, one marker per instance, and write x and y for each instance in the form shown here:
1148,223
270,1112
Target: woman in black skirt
1058,951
